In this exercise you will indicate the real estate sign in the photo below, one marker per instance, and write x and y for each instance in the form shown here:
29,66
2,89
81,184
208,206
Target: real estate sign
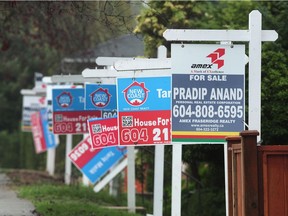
69,115
144,111
208,93
101,97
31,104
103,132
43,138
95,163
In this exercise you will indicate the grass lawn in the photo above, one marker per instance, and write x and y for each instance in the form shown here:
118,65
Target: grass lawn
51,197
63,200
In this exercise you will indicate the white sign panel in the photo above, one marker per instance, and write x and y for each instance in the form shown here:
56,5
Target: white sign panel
31,104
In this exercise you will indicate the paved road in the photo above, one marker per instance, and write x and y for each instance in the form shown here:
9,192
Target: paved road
10,204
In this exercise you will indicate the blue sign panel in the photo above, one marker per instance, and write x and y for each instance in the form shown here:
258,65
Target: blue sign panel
71,99
48,135
99,165
207,105
144,94
100,97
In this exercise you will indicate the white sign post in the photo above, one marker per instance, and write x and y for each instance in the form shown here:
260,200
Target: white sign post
68,163
159,164
51,153
131,179
85,179
254,35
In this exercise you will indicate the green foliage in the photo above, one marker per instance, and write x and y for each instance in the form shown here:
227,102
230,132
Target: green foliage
9,149
274,96
27,155
275,17
52,200
203,202
162,15
34,37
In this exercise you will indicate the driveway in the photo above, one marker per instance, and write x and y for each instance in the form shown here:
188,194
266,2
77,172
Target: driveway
10,204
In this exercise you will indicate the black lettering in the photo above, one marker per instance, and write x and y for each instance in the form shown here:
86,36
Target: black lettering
201,66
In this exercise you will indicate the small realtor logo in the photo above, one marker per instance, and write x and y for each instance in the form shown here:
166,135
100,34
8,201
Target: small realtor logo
215,57
136,94
100,98
64,99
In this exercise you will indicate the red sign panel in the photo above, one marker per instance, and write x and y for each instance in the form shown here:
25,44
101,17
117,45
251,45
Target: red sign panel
82,153
103,132
145,128
37,132
74,122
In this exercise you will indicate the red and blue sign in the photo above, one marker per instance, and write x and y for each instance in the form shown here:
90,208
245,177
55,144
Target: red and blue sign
103,132
101,97
42,136
144,110
95,163
69,115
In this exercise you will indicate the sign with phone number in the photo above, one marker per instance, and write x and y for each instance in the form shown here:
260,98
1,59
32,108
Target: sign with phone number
69,116
103,132
95,163
208,94
144,114
206,105
72,122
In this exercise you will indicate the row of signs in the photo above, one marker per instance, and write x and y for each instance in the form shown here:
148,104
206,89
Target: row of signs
136,112
202,102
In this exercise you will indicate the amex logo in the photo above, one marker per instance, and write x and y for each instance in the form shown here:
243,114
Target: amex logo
215,57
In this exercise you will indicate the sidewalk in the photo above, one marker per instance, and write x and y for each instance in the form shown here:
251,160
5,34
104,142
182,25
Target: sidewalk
10,204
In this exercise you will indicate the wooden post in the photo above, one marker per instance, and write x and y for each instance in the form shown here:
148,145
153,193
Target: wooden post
229,194
250,173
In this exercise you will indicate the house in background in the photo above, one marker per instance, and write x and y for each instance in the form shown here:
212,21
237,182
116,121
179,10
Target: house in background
123,46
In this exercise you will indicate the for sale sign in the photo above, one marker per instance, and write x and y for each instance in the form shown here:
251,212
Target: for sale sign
144,110
31,104
49,106
95,163
69,116
208,92
103,132
43,138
